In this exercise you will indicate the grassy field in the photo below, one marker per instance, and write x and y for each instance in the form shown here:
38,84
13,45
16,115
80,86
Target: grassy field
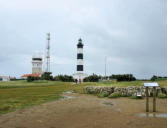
20,94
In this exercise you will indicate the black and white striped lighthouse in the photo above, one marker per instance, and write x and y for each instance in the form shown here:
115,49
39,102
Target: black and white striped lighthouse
80,67
80,75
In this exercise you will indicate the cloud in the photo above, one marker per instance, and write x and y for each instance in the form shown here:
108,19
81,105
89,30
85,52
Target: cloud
131,32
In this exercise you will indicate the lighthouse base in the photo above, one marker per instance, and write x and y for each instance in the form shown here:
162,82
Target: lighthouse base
79,77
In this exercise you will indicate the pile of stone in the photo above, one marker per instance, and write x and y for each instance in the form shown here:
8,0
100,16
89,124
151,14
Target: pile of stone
124,91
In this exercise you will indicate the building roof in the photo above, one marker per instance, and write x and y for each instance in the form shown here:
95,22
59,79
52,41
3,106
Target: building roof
32,75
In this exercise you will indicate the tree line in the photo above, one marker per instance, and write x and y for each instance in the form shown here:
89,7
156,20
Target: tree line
90,78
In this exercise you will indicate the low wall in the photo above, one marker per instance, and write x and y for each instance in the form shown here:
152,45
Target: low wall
124,91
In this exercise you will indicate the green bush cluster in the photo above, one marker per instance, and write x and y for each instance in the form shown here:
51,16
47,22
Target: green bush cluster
136,97
47,76
119,77
31,79
103,94
155,78
64,78
92,78
114,95
161,95
123,77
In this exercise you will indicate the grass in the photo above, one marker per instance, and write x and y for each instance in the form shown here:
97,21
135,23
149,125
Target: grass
160,95
135,97
102,95
114,95
20,94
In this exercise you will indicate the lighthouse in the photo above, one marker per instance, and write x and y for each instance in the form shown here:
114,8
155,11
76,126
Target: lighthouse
80,67
80,75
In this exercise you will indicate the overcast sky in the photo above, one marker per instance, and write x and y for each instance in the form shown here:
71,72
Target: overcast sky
131,33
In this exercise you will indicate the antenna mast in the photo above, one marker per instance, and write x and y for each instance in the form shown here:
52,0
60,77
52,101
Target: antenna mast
48,53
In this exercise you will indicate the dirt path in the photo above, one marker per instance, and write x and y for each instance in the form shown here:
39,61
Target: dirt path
85,111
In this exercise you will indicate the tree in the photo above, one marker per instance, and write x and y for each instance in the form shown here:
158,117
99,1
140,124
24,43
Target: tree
92,78
47,76
154,78
64,78
123,77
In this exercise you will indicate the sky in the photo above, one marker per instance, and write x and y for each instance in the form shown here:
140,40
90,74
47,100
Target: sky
132,34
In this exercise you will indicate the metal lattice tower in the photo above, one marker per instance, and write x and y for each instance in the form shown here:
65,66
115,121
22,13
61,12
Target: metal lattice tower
48,53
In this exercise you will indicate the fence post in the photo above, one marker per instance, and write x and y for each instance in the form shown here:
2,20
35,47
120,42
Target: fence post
147,100
154,99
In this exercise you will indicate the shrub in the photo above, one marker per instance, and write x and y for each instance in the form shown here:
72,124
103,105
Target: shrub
47,76
154,78
92,78
161,95
114,95
136,97
103,94
30,79
123,77
64,78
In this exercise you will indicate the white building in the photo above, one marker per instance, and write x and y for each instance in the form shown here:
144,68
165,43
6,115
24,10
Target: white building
4,78
37,64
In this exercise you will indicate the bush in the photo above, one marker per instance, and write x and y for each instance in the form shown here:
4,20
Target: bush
136,97
92,78
161,95
47,76
154,78
64,78
31,79
123,77
114,95
103,94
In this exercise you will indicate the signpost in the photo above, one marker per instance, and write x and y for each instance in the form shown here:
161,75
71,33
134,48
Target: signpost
154,85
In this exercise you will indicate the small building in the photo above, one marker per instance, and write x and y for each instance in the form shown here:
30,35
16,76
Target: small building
4,78
37,64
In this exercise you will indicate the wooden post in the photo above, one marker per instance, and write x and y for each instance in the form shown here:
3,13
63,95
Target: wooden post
154,99
147,100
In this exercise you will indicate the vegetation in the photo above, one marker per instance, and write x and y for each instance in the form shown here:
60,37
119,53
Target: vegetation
123,77
64,78
114,95
136,97
47,76
92,78
120,77
160,95
102,95
30,78
20,94
158,78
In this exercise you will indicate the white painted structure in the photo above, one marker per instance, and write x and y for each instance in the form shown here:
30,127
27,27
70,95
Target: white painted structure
37,64
4,78
80,75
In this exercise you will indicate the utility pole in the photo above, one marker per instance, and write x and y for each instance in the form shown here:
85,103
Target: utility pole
48,53
105,66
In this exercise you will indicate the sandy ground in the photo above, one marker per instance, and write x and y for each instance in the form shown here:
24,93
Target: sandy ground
86,111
